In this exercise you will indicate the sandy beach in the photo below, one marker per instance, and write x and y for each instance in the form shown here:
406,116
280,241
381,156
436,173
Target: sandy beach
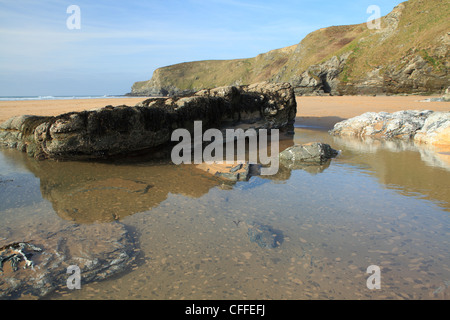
313,111
326,111
10,109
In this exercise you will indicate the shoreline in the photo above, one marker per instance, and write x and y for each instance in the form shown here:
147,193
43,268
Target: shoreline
321,111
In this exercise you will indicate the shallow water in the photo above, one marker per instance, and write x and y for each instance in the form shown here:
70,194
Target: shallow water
378,203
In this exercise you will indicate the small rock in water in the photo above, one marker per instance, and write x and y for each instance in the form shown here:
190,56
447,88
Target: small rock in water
264,236
240,172
314,152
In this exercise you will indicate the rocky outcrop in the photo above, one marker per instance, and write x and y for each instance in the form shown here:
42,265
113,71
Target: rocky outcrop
113,131
421,126
415,76
268,105
436,130
402,124
321,78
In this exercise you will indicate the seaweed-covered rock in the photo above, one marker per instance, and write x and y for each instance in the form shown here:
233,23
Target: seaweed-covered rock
264,235
112,131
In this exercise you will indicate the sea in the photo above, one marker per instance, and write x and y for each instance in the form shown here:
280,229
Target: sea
76,97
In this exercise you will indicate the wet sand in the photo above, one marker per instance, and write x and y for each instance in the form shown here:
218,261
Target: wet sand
312,111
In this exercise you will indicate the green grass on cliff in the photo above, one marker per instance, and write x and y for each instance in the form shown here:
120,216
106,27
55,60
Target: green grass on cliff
215,73
422,23
414,27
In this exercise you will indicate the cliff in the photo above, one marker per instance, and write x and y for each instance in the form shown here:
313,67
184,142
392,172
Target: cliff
408,54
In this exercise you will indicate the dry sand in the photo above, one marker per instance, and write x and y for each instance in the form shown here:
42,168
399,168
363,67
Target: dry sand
9,109
326,111
322,111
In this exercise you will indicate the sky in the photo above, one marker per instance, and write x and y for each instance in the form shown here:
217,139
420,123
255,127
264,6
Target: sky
46,49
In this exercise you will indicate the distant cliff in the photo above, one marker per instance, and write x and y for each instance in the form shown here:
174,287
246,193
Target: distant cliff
409,54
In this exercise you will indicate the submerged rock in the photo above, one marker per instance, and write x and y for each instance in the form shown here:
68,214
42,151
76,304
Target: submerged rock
314,152
16,252
120,130
228,172
264,235
99,250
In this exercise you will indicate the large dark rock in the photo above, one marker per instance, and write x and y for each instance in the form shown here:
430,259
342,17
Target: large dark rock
112,131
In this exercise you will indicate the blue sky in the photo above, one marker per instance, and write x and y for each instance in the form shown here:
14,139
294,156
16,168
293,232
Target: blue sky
121,42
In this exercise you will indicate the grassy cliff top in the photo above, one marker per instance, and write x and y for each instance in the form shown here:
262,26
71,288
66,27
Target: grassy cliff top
413,27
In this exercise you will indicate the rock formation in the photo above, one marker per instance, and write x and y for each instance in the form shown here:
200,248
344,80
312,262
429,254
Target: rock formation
436,130
421,126
98,250
120,130
312,153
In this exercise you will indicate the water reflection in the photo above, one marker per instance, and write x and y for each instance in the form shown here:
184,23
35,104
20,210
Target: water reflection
361,208
87,192
409,168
